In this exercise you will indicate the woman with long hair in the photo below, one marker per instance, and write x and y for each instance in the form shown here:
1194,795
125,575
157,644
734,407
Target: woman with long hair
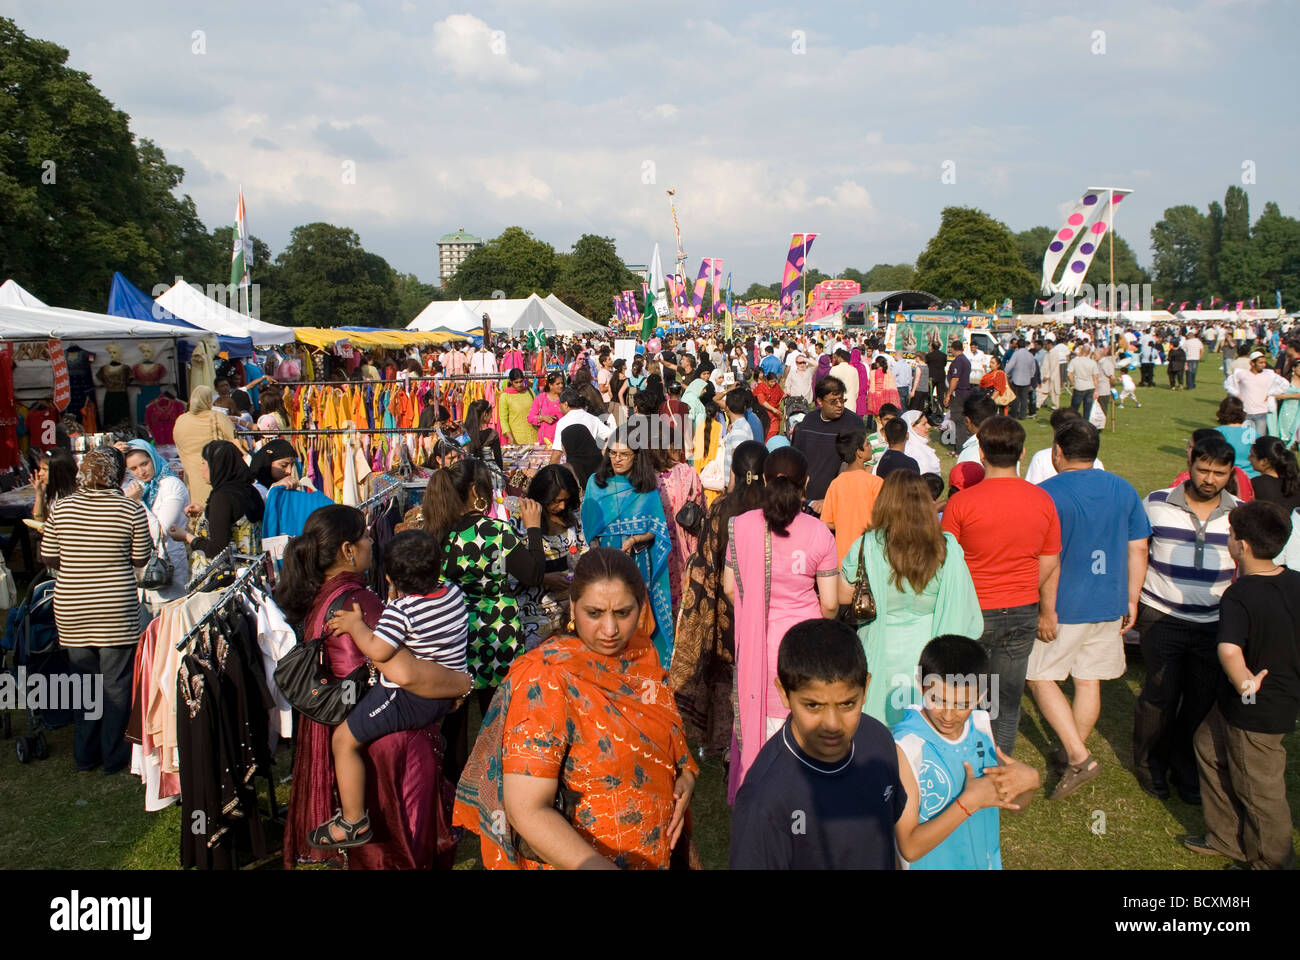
781,569
1279,476
274,416
484,442
918,576
582,383
481,555
704,652
325,571
995,382
709,433
581,757
622,508
56,476
545,410
233,511
637,378
514,404
544,608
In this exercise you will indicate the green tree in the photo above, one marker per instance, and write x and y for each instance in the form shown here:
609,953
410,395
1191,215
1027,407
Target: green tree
1211,251
1236,215
1275,248
413,296
1032,244
325,278
516,263
972,257
73,204
761,291
592,275
1178,240
887,276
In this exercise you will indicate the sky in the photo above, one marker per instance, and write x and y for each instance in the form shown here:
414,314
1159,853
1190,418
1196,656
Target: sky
408,119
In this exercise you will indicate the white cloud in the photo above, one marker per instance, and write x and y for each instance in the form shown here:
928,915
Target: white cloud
473,51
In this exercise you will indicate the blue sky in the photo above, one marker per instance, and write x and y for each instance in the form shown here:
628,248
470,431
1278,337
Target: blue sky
571,117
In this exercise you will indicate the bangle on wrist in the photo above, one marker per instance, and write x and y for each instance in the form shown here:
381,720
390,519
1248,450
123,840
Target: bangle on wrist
963,807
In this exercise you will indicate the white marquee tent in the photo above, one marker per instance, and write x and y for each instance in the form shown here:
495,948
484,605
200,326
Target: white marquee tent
513,316
193,307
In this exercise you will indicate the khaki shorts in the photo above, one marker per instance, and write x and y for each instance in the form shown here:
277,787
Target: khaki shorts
1085,651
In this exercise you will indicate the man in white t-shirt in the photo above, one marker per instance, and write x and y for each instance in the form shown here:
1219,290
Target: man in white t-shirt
1084,374
573,409
979,362
1040,464
1252,386
1057,358
1194,348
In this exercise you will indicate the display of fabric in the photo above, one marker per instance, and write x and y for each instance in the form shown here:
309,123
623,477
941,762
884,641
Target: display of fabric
287,510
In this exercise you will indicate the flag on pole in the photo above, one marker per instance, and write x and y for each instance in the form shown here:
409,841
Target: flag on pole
697,298
649,318
241,253
800,243
726,316
657,281
717,289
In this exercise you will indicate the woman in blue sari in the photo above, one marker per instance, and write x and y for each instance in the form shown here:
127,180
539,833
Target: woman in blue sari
622,509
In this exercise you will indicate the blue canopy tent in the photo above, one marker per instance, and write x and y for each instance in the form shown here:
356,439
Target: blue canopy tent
125,299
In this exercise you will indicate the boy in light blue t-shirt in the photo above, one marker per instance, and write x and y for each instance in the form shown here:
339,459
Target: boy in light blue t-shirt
954,776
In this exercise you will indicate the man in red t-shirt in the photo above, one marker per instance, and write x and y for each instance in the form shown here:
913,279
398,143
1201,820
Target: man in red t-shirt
1011,536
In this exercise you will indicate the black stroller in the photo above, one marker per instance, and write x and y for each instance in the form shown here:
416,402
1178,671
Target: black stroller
30,648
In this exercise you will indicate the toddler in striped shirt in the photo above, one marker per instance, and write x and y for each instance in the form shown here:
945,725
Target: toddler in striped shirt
428,617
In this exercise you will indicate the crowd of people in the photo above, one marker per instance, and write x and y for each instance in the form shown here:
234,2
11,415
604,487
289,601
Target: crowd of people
747,552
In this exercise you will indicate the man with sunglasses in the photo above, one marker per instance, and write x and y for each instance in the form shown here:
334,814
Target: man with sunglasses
816,435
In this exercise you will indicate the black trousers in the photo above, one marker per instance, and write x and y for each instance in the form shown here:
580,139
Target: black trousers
1148,375
1020,409
100,733
957,413
455,731
1182,665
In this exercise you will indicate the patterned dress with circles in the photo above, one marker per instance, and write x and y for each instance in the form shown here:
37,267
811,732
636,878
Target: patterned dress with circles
475,560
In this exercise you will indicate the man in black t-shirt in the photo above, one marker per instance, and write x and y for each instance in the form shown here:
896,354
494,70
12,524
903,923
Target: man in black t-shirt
824,792
1239,748
936,362
816,435
958,391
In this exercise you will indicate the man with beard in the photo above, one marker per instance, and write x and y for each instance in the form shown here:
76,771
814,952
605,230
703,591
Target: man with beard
1188,571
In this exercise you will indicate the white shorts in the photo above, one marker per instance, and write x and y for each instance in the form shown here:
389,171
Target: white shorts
1085,651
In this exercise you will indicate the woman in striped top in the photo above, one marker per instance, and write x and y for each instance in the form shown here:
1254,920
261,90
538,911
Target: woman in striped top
93,540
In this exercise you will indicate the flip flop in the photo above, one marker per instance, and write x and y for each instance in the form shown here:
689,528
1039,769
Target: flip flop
1076,775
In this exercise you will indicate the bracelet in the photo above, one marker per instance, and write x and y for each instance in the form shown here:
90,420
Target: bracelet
963,807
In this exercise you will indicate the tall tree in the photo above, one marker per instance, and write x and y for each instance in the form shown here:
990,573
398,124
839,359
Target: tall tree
972,257
1236,214
515,263
592,275
1275,249
1211,251
413,296
325,278
887,276
1177,240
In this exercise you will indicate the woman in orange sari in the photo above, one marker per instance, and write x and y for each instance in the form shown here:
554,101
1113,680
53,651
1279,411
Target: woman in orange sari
588,720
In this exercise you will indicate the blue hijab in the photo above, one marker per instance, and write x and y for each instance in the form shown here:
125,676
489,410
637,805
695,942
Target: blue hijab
615,511
160,470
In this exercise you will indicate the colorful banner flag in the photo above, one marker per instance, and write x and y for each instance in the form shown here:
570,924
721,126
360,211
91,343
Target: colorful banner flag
718,305
629,306
800,244
657,281
726,316
62,385
1102,203
697,298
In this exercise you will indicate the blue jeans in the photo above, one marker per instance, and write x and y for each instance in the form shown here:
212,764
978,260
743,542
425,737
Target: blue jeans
1191,373
1008,638
1260,423
1082,398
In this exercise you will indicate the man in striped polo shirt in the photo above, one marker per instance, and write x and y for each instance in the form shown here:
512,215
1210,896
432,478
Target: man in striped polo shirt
1188,570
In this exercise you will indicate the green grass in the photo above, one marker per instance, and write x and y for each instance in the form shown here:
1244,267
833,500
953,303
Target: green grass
58,819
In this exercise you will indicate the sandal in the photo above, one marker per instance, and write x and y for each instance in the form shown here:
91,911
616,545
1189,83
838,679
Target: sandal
1076,775
355,834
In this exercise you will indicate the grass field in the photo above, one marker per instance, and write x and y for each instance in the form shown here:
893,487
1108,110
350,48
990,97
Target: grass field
57,818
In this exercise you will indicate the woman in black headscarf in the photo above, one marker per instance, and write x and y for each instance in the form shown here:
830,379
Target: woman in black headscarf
580,452
234,510
275,465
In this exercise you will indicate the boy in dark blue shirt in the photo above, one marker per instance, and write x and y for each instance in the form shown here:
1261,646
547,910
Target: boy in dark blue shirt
824,791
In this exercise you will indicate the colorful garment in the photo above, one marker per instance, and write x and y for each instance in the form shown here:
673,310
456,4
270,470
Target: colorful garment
516,427
474,558
545,612
701,676
616,511
246,535
605,728
544,405
882,390
679,486
776,587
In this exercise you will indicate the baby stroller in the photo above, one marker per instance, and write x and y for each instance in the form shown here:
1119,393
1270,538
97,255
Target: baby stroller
30,647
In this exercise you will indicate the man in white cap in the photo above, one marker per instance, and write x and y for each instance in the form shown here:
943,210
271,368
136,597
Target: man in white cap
918,443
1252,387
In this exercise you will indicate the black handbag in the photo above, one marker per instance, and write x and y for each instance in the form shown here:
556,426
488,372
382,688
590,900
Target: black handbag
862,610
690,517
159,570
304,677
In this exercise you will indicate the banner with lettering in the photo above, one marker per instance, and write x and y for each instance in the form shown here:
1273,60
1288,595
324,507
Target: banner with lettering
62,385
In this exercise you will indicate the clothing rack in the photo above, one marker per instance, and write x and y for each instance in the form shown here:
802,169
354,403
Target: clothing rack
218,563
231,591
335,431
440,378
375,499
